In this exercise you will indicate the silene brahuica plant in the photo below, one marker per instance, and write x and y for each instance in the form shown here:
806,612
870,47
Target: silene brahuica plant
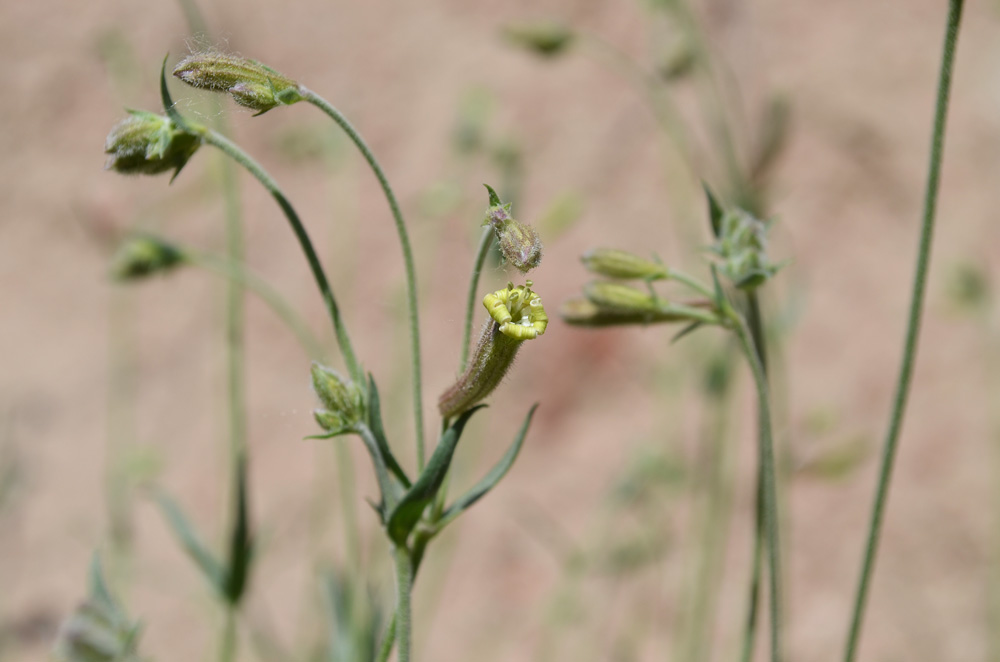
628,288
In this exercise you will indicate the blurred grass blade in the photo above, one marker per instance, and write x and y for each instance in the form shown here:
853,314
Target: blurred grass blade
97,586
714,211
188,539
240,540
406,514
490,480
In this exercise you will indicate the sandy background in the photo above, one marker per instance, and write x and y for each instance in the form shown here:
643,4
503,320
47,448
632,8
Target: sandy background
860,78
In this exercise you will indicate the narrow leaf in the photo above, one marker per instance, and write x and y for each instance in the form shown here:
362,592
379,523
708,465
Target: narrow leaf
714,211
686,330
480,489
406,514
189,540
240,542
378,431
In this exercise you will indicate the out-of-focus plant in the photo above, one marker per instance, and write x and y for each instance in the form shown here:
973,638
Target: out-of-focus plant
412,510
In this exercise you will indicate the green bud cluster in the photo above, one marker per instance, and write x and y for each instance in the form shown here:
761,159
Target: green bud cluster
516,315
146,143
250,83
140,257
742,248
343,402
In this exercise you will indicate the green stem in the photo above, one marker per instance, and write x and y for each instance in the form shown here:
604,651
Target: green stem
912,326
227,645
691,282
234,314
262,289
404,241
750,633
470,304
768,485
241,157
388,641
404,582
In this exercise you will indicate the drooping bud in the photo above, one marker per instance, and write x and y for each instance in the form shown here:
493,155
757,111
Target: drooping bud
544,38
146,143
342,400
742,247
519,243
140,257
98,631
250,83
621,264
516,315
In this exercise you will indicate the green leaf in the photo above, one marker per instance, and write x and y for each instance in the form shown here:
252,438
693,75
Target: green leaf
240,539
714,211
378,431
98,588
494,198
490,480
686,330
406,514
168,103
195,548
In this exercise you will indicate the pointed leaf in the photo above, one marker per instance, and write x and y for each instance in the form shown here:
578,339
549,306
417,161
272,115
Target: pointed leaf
499,470
240,539
406,514
686,330
494,198
385,485
168,103
378,431
714,211
195,548
98,588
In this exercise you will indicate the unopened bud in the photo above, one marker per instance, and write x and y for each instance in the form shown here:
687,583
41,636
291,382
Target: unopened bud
140,257
519,243
516,315
146,143
543,38
620,298
742,246
621,264
342,400
250,83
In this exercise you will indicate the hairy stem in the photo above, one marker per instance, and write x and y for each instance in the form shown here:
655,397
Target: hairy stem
912,327
404,582
404,241
470,304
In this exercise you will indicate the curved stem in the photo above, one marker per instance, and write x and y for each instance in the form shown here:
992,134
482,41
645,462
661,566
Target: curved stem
404,241
241,157
693,283
912,326
767,478
262,289
404,582
388,641
470,305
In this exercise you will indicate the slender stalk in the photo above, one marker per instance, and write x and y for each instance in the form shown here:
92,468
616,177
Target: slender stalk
912,326
470,304
388,641
262,289
767,477
750,631
693,283
227,646
221,142
404,582
404,241
235,371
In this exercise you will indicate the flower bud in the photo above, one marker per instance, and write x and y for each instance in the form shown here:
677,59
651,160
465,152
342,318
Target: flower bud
516,315
519,242
742,246
620,264
543,38
147,144
615,297
342,400
140,257
250,83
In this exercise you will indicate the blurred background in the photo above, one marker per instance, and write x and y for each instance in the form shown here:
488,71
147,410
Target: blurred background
594,546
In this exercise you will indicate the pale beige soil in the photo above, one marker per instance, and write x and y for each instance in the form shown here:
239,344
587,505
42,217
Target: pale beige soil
860,77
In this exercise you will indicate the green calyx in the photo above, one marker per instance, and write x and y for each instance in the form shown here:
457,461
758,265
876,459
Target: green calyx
742,249
343,402
250,83
147,143
519,243
141,257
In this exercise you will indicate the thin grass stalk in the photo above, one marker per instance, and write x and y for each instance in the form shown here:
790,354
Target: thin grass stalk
912,327
408,263
768,484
